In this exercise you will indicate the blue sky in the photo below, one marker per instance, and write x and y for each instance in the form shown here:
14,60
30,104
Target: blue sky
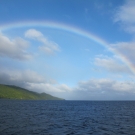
77,50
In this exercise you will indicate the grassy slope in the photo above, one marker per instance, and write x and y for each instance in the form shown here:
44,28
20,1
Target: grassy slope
14,92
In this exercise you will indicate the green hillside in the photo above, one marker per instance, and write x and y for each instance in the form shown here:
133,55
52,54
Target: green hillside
14,92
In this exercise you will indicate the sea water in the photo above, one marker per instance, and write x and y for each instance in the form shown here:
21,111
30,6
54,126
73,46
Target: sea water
21,117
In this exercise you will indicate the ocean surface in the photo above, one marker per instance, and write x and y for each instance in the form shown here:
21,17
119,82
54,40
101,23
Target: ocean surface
18,117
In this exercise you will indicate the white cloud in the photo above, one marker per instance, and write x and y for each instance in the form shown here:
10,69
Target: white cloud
104,89
112,65
49,47
32,81
106,85
126,50
15,48
126,16
93,89
32,33
48,87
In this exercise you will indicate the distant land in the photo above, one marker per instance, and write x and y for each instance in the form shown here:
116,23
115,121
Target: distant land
15,92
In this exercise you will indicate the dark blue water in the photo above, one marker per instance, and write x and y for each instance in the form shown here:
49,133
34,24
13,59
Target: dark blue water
67,117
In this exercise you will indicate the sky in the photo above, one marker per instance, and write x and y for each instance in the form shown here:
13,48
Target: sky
73,49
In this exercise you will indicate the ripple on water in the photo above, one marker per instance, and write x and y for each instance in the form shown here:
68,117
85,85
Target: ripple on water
67,117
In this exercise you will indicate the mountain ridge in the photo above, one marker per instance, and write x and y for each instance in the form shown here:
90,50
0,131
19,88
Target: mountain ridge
15,92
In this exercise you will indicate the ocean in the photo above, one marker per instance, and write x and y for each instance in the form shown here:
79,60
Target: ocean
27,117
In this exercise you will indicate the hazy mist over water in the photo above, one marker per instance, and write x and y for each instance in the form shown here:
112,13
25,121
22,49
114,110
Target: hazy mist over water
67,117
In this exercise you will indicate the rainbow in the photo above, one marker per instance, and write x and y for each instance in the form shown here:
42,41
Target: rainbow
72,29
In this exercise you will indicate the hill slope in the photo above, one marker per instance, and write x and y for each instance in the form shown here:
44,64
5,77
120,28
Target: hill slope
14,92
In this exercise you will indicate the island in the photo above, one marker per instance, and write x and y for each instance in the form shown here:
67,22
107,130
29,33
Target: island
15,92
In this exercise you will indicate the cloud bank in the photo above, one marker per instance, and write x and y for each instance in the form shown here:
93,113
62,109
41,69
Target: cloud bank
106,85
93,89
32,81
105,89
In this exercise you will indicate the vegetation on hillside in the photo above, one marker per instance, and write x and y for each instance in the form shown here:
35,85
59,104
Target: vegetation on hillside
14,92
